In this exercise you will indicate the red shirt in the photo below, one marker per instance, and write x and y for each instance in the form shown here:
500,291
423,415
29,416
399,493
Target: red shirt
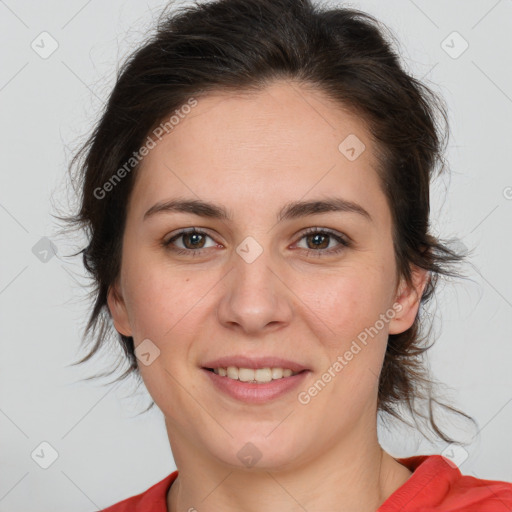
436,485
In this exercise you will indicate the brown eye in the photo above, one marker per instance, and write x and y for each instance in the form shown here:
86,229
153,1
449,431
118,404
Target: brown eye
192,240
318,241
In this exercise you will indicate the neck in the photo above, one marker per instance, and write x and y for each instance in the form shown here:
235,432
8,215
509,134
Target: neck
355,474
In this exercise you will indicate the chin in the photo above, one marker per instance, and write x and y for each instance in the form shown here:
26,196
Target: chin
259,451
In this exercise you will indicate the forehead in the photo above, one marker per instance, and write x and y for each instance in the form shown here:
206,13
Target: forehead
281,143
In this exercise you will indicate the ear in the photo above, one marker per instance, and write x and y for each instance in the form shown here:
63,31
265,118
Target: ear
117,308
407,301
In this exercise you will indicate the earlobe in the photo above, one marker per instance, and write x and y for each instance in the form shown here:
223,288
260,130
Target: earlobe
117,308
407,301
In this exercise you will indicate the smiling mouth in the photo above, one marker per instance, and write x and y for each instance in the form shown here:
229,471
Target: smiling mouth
254,376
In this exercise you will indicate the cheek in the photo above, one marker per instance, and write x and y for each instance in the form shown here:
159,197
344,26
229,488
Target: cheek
347,304
157,299
357,338
162,306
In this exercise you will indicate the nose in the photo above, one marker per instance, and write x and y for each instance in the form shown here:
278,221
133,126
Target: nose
256,298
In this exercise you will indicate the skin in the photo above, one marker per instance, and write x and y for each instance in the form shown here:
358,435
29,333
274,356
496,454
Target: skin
253,153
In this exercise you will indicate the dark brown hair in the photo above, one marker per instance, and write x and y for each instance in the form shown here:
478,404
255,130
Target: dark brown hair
236,45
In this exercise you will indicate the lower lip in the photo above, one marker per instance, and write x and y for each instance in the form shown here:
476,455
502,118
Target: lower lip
256,393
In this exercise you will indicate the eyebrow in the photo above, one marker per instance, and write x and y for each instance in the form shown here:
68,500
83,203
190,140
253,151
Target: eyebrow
292,210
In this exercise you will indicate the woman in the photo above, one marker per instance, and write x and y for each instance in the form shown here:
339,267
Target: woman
257,199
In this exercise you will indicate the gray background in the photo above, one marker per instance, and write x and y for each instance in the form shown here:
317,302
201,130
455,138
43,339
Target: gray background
105,451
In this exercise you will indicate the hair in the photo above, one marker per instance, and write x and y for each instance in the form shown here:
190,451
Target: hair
245,45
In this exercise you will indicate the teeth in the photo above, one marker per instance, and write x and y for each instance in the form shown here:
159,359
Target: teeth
250,375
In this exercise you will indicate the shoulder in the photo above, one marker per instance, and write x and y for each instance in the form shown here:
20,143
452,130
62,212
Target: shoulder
481,494
437,485
152,499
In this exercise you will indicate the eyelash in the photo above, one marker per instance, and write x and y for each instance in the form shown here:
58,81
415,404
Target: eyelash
344,242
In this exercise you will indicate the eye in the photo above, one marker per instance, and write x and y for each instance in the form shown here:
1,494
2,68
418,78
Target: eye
320,238
193,241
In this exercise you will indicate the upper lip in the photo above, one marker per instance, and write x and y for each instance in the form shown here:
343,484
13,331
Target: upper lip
254,362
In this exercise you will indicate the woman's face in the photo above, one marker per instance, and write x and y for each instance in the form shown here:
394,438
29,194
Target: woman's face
258,284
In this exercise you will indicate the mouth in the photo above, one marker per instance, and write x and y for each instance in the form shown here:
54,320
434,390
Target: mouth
254,386
254,375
